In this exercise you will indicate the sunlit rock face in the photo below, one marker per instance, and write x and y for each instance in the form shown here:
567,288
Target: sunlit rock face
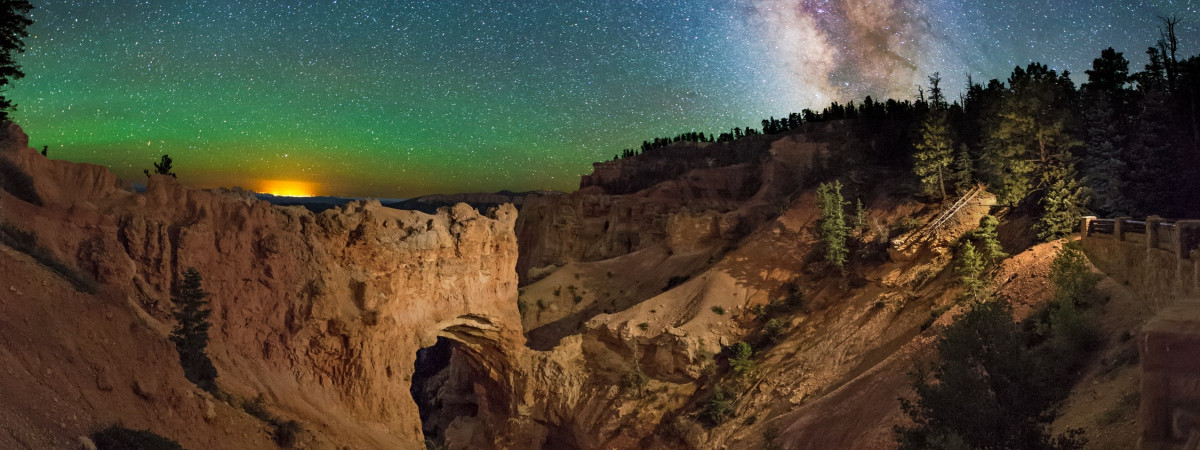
321,314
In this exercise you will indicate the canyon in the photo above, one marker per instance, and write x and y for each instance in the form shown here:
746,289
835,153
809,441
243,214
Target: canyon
595,319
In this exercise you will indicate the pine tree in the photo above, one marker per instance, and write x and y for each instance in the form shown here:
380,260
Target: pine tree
1106,123
740,362
1104,169
991,241
961,171
162,168
191,331
832,228
935,153
1061,206
1030,132
1109,76
13,22
970,270
986,390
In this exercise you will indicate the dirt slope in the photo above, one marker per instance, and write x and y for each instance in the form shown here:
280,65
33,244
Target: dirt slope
74,363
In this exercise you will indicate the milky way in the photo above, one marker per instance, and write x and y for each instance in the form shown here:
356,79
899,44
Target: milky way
839,50
400,98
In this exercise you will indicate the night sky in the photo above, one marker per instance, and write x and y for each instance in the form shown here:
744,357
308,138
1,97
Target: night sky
402,98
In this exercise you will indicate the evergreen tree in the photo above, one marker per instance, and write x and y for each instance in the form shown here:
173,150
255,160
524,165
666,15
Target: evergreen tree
1030,132
832,227
1153,77
961,171
1109,76
1105,117
990,239
1104,169
190,334
13,22
935,153
740,362
970,271
986,391
1153,157
162,168
1061,206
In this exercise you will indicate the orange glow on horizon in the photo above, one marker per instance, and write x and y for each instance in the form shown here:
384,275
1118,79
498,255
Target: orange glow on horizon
288,188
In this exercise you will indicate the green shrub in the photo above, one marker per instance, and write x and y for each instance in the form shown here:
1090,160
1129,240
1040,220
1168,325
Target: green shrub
117,437
792,302
720,311
770,435
719,406
1072,276
741,362
774,329
644,326
257,408
635,380
987,389
1073,331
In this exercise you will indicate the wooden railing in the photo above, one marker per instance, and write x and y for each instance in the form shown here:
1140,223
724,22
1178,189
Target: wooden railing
1101,226
1181,237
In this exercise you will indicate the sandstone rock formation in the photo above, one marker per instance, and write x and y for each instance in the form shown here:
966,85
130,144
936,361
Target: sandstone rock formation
322,315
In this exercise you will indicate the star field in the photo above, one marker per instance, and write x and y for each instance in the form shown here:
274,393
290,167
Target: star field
397,99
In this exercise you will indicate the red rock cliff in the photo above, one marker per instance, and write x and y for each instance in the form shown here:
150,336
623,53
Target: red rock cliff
321,314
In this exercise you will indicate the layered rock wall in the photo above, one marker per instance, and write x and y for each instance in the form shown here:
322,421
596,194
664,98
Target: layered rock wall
320,314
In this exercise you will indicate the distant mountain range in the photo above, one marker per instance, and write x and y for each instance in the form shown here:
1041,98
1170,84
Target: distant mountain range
427,204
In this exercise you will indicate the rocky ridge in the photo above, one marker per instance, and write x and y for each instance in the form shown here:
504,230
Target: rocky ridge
321,315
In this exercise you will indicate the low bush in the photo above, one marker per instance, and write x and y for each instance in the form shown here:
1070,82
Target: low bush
719,406
285,431
791,303
634,380
774,330
674,281
741,362
117,437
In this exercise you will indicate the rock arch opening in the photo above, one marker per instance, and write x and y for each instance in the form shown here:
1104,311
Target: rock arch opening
462,382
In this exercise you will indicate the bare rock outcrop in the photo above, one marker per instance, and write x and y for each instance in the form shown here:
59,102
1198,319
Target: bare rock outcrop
321,314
